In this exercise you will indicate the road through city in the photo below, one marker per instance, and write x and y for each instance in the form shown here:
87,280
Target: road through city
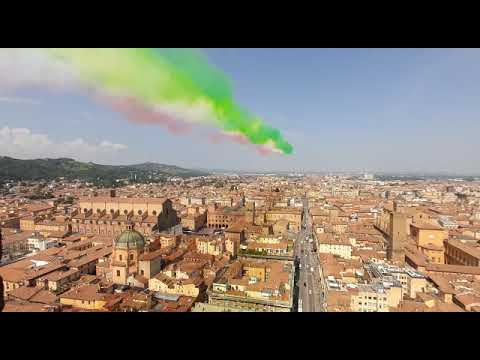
311,295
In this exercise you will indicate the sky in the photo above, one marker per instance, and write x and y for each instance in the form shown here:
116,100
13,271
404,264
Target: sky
375,110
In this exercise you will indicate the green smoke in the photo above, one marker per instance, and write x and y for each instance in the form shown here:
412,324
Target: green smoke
159,77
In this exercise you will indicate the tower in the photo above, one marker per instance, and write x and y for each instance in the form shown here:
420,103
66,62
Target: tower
250,213
397,235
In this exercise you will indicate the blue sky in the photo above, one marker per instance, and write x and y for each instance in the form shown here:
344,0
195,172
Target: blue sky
342,109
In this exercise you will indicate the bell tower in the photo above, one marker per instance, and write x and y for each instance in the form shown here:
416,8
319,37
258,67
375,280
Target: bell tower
397,235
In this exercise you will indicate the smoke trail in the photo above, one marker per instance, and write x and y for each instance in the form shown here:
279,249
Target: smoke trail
169,87
266,149
136,112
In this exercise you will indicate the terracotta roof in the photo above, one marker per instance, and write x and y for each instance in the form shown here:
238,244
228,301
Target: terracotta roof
121,200
86,293
471,249
33,294
468,299
425,226
16,306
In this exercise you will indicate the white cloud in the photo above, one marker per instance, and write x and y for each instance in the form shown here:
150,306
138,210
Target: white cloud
116,147
23,143
19,100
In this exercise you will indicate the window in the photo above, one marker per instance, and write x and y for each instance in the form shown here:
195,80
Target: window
131,256
118,272
142,272
120,257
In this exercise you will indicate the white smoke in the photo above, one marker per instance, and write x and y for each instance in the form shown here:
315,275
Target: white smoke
31,68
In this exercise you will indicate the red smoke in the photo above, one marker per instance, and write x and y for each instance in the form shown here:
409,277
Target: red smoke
139,113
237,138
264,151
136,112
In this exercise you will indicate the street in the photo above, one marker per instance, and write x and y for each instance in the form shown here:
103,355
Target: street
309,280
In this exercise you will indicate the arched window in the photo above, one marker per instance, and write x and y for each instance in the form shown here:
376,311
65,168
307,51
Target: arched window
126,212
131,256
112,211
140,212
85,210
154,213
99,211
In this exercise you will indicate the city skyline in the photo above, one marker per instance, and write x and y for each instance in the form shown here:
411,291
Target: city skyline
388,110
172,180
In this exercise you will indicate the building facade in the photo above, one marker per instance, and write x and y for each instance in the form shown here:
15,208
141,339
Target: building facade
110,215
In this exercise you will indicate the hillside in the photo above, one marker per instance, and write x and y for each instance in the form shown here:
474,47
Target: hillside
166,169
38,169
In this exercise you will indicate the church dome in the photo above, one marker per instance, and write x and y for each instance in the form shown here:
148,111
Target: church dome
130,239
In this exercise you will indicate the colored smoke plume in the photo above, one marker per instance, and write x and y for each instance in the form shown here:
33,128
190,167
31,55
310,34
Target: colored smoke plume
169,87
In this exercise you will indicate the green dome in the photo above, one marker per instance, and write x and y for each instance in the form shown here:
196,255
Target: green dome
130,239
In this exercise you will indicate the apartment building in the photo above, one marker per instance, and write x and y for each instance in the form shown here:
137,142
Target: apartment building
254,285
429,240
375,297
462,252
335,245
412,281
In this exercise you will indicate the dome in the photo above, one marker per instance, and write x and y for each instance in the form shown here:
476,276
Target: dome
130,239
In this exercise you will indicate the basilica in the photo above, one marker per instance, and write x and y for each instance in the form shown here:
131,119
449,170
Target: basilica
134,261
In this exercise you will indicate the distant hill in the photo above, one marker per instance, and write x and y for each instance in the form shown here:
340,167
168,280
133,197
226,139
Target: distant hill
167,169
48,169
